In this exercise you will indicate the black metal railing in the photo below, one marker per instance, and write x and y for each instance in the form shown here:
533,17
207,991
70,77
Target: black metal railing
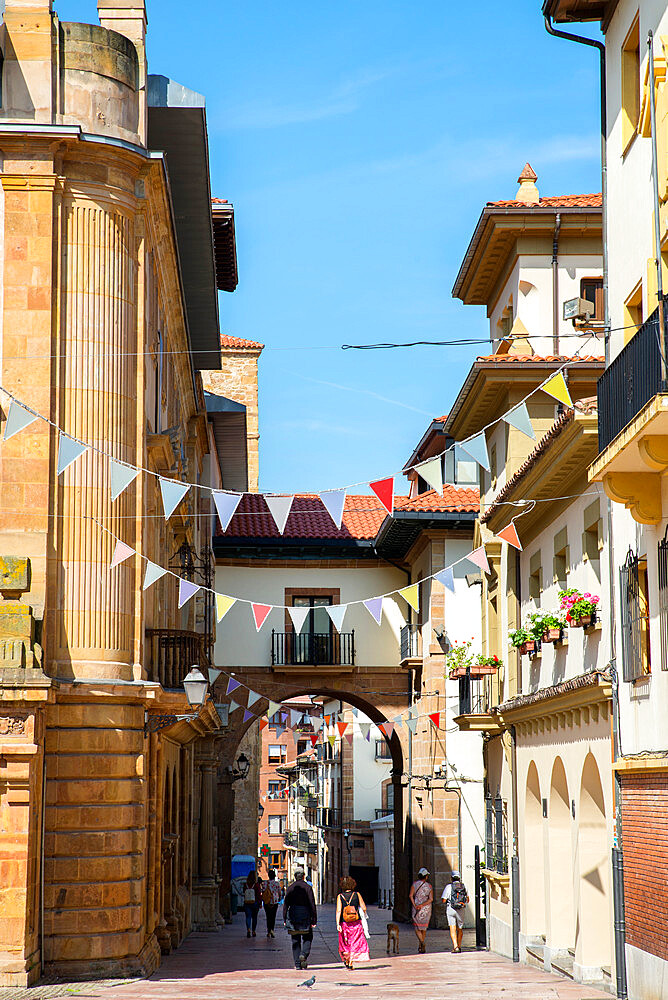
171,652
472,696
312,648
289,839
382,813
630,381
307,840
329,817
496,849
410,642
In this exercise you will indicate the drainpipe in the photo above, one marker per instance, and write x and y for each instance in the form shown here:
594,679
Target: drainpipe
514,860
657,219
555,284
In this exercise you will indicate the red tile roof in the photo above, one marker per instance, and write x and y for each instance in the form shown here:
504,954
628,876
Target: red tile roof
238,342
540,359
561,201
219,201
453,498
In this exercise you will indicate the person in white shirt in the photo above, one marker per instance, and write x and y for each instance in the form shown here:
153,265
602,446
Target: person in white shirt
455,898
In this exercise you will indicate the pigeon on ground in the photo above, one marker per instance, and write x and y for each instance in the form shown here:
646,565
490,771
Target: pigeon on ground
308,982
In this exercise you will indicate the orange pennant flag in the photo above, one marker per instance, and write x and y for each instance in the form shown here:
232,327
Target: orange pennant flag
510,535
263,724
327,719
341,726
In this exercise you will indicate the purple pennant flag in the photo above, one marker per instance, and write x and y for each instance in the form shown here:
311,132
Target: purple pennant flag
375,608
232,685
186,591
248,715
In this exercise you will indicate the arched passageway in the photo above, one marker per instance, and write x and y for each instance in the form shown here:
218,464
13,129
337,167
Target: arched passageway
593,946
561,929
533,861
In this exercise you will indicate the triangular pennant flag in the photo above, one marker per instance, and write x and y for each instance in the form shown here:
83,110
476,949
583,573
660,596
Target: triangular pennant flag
436,719
279,508
232,685
260,612
295,718
18,419
389,729
274,707
334,501
68,451
364,729
349,737
153,574
121,477
298,616
263,725
509,534
355,711
337,613
253,696
187,589
121,553
332,739
328,719
412,725
173,493
234,705
479,558
374,606
280,729
519,418
248,715
316,722
381,726
341,726
476,447
226,505
432,473
446,577
314,739
557,388
223,605
398,721
214,674
384,490
411,595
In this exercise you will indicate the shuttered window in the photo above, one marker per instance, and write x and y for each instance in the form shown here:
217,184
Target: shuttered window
634,617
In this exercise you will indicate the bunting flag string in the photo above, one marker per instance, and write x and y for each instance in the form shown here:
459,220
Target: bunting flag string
187,589
509,534
120,477
384,490
519,419
121,553
279,508
18,419
226,506
411,595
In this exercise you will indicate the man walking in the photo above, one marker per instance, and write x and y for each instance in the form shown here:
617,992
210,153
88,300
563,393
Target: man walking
300,917
455,898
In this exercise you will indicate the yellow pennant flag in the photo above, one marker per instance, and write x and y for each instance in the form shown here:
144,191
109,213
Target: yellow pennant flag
556,387
223,605
332,739
411,595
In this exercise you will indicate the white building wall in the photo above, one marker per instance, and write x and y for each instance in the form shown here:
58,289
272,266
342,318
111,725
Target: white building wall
369,773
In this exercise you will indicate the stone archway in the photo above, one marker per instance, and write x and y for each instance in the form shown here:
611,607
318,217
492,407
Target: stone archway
561,926
533,861
593,945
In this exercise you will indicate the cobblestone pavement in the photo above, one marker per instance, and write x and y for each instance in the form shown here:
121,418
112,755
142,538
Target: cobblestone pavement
228,966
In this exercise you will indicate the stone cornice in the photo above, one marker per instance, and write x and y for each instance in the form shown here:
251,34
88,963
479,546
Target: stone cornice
580,692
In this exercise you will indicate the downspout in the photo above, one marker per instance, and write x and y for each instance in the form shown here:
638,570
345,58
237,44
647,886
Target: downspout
555,284
617,849
514,860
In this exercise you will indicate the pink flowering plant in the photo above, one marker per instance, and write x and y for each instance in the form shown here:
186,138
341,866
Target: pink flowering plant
578,605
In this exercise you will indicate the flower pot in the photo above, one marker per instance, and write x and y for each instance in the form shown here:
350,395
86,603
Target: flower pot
482,670
528,647
552,635
582,622
457,672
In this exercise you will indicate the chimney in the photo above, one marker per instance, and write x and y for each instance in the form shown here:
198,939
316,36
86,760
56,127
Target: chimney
527,191
129,18
27,72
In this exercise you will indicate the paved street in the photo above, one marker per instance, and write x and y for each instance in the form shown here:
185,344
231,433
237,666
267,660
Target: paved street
229,966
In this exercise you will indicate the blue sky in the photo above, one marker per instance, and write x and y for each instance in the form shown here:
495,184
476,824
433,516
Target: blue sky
359,141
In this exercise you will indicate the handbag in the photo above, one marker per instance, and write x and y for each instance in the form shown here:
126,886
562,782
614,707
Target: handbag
365,924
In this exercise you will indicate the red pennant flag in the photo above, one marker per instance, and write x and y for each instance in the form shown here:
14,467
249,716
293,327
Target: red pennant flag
263,724
341,726
436,719
314,739
384,490
260,612
510,535
382,728
350,738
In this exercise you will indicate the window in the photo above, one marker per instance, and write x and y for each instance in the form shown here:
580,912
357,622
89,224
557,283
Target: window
633,313
630,84
458,468
277,719
276,825
276,754
382,750
535,578
276,788
317,641
561,559
302,746
592,538
636,657
278,859
663,598
591,289
496,837
388,790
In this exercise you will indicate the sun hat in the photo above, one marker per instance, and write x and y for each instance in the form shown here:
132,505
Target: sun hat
424,871
456,876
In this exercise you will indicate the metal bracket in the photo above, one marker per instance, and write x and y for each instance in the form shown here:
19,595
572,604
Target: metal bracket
154,723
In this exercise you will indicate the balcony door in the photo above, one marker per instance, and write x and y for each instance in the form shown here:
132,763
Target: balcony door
314,644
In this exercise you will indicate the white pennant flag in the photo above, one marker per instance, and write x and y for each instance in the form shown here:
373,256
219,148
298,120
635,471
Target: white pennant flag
412,725
173,493
295,718
152,575
298,616
337,613
226,505
274,707
279,508
18,419
121,477
68,451
432,473
317,722
334,501
253,696
234,705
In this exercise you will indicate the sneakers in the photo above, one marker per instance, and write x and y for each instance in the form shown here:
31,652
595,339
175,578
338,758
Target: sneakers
247,933
302,961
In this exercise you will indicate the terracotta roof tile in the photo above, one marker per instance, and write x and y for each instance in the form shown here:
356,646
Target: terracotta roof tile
540,359
453,498
219,201
561,201
362,517
238,342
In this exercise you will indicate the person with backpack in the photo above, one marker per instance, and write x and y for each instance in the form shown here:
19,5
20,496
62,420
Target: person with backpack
455,898
353,945
300,917
252,902
271,897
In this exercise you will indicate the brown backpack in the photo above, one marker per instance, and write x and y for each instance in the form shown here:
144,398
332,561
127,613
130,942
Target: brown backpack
350,913
266,896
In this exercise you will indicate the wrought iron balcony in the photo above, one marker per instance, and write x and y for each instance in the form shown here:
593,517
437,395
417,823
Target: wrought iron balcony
289,839
330,818
171,652
632,379
382,813
411,642
312,649
307,840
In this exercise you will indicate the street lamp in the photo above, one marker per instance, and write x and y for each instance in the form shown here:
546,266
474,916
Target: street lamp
196,687
260,811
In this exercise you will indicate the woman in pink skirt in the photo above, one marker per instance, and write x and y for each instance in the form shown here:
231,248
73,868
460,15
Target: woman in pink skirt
353,946
421,896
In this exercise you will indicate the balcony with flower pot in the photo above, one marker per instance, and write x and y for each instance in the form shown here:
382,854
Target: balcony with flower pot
580,609
471,670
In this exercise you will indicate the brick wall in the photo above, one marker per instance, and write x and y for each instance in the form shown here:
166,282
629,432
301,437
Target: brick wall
645,837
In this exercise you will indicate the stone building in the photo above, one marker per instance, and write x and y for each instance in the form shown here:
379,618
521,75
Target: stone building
109,309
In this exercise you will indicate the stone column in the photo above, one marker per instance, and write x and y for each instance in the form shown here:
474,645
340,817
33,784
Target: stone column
205,884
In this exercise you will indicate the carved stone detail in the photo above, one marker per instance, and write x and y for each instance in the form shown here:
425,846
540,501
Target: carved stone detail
12,725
